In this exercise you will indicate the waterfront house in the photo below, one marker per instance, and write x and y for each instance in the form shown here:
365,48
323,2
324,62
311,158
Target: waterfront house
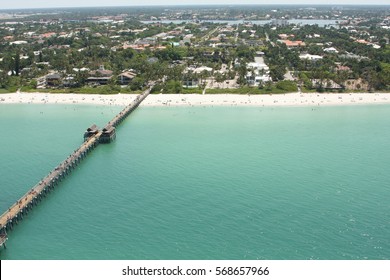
328,85
258,71
53,80
100,76
190,82
69,81
192,77
126,77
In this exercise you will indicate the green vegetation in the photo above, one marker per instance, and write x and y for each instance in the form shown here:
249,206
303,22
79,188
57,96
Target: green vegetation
249,90
61,44
287,86
84,90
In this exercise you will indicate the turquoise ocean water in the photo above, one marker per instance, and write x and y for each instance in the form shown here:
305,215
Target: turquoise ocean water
202,183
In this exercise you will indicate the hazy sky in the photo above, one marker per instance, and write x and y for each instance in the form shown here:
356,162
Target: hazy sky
18,4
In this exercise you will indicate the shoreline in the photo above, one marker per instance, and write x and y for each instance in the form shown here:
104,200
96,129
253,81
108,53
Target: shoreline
209,100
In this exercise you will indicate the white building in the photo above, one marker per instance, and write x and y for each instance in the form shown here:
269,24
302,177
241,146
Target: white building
18,43
311,57
193,81
200,69
258,72
331,50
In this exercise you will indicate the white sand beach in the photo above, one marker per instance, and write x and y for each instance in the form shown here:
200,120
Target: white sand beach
290,99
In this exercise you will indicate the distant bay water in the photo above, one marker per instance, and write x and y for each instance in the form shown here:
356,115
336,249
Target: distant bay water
202,183
319,22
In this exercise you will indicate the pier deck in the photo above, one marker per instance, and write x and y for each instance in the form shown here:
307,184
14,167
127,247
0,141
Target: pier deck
22,206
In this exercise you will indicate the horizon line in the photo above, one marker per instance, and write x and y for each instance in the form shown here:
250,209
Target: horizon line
191,5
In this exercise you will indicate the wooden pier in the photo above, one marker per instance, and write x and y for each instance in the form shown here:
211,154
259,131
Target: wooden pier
3,239
109,132
92,138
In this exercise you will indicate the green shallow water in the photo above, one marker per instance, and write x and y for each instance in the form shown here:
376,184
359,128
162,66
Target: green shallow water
202,183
